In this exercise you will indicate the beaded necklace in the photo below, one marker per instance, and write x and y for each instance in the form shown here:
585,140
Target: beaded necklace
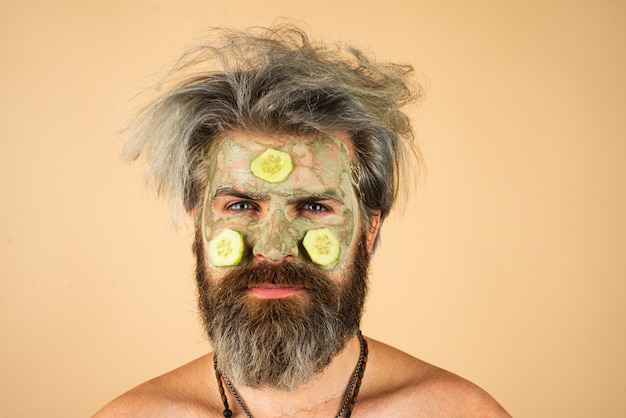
348,402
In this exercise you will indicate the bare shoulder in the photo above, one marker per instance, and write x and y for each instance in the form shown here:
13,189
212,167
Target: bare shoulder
179,393
405,386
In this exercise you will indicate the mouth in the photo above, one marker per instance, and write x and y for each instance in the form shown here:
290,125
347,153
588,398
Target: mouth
272,291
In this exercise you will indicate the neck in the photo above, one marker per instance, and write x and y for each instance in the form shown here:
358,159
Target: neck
321,396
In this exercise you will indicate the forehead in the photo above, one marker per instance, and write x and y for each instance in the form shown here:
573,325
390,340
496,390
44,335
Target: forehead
320,162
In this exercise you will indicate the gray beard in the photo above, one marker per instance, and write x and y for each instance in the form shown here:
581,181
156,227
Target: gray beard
280,343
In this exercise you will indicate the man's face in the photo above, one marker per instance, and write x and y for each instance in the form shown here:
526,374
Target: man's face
276,317
274,217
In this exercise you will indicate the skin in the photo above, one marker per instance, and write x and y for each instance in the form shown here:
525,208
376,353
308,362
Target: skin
395,383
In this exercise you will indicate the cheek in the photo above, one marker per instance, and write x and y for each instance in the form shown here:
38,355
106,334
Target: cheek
346,236
212,226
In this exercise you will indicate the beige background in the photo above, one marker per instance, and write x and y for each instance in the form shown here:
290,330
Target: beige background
508,268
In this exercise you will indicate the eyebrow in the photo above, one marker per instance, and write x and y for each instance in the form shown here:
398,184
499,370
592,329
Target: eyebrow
316,197
231,192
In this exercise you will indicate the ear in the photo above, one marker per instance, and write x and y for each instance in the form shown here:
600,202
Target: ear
372,233
195,214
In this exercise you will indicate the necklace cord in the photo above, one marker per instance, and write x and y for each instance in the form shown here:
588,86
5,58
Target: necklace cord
347,405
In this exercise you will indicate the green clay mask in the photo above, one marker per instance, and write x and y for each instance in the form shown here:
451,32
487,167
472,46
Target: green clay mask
313,191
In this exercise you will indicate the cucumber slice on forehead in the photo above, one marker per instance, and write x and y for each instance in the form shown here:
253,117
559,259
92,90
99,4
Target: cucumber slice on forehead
226,249
322,246
272,166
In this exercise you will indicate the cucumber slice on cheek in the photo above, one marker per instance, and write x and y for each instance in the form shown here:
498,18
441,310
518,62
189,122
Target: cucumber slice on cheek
226,249
322,246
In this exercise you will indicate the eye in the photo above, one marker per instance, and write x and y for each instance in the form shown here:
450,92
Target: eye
240,206
315,207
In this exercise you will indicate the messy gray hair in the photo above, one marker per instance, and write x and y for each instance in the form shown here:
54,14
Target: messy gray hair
276,80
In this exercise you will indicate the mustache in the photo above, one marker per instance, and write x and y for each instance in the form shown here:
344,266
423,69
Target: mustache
282,274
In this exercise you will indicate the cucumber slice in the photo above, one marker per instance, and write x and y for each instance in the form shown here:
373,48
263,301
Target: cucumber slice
322,246
226,249
272,166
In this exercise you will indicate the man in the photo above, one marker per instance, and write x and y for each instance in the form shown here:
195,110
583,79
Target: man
287,159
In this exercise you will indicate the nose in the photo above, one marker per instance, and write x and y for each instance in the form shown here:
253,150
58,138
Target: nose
276,242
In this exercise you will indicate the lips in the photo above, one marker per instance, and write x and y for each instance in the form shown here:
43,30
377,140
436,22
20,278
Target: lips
272,291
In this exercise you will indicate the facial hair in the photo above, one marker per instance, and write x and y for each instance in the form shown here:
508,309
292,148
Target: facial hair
280,343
